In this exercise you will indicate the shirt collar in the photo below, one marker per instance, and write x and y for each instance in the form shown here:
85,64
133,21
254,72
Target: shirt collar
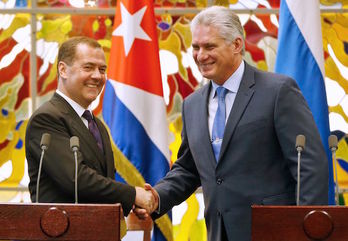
78,108
233,82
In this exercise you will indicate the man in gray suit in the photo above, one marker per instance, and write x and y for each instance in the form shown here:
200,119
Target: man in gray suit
249,157
81,76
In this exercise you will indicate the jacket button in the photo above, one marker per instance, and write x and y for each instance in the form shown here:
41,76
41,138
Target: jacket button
219,181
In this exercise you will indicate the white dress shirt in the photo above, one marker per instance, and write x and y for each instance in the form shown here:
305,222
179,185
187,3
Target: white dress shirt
78,108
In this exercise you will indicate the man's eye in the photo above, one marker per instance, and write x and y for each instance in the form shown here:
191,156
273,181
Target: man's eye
102,71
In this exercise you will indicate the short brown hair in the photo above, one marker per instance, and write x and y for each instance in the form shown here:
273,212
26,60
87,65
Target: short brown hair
67,50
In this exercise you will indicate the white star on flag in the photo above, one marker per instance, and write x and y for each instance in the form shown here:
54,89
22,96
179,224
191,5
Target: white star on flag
130,28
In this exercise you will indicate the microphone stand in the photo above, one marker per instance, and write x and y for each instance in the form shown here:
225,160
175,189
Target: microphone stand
76,166
300,144
333,145
299,149
74,145
45,141
336,187
39,174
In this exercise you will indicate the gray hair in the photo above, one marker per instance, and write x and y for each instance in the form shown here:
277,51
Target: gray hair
223,19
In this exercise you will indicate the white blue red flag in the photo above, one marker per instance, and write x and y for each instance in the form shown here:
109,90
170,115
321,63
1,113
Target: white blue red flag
133,106
300,55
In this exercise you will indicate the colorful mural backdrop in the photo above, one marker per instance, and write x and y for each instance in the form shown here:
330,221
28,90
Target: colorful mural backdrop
179,73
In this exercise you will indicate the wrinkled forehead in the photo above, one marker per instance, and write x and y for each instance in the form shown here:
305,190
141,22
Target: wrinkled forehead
205,33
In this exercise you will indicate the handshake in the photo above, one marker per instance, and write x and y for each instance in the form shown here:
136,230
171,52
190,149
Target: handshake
146,201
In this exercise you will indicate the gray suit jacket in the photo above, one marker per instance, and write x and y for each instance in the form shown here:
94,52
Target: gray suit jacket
96,171
258,159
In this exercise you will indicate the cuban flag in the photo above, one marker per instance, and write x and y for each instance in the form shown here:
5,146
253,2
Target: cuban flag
133,106
300,55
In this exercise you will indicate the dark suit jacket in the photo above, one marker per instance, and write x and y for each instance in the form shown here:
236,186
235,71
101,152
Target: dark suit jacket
96,171
258,159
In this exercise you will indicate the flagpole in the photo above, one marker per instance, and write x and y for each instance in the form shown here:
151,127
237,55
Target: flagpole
33,63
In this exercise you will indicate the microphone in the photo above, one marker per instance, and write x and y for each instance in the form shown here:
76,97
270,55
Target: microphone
300,144
45,142
333,147
74,146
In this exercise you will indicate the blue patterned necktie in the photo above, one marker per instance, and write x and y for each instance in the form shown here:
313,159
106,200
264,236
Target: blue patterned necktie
93,128
219,122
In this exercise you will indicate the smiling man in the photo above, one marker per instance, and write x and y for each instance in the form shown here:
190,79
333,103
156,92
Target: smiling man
238,136
81,76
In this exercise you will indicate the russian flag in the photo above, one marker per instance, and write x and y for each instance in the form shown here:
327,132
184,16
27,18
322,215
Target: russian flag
133,106
300,55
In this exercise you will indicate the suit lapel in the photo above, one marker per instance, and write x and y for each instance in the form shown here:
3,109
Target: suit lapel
204,128
243,97
77,124
108,165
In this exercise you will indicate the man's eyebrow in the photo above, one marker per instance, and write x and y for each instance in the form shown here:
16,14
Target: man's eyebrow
95,64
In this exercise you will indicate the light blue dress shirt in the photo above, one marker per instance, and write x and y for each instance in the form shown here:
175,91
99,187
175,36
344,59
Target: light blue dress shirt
232,84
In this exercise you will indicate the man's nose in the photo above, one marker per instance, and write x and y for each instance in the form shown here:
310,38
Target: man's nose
202,55
96,74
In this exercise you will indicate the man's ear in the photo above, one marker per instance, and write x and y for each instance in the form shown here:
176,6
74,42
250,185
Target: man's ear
62,68
238,45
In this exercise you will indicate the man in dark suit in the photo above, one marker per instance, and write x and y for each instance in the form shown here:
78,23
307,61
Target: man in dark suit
249,157
81,77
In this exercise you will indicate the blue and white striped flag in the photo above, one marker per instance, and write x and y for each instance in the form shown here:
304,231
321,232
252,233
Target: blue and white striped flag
300,55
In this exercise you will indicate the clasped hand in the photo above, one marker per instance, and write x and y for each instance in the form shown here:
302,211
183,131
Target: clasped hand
146,201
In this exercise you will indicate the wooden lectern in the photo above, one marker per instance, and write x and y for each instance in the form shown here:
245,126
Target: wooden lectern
299,223
136,224
43,221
